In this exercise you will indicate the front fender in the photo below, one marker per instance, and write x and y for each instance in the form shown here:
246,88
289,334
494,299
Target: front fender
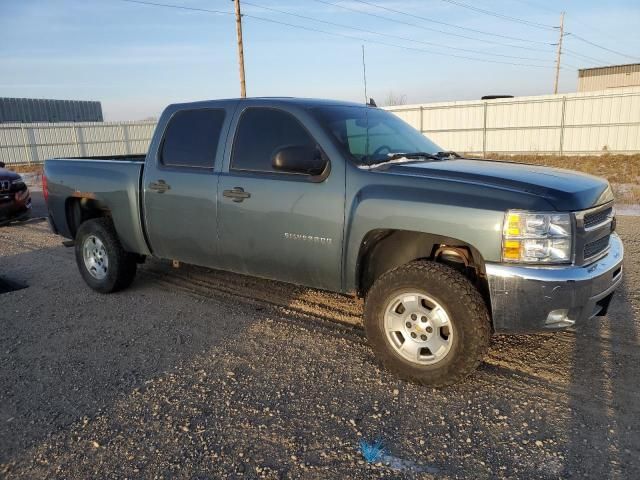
399,208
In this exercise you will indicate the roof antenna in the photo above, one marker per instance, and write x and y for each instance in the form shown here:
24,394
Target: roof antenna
364,76
370,102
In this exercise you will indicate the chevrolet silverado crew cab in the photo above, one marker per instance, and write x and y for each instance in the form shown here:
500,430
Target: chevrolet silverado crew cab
347,197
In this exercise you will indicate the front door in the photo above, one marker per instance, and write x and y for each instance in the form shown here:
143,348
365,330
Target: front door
180,185
279,225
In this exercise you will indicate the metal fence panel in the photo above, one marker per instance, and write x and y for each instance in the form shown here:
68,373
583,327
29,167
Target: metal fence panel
32,143
576,123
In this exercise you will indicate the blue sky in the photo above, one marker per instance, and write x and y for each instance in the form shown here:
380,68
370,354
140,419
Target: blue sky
137,58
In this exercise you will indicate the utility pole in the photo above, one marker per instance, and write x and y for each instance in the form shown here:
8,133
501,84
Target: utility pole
555,84
243,85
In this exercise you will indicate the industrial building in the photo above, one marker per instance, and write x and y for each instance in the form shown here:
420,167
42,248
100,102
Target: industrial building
30,110
605,78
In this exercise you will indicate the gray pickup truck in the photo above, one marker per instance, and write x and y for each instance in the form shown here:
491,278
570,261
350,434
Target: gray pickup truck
346,197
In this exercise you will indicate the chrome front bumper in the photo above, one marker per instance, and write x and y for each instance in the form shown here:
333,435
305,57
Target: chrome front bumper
538,299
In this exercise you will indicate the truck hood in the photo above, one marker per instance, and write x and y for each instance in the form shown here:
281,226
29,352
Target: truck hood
566,190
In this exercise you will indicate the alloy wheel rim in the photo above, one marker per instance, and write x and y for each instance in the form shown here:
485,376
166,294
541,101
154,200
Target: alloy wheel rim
95,257
418,328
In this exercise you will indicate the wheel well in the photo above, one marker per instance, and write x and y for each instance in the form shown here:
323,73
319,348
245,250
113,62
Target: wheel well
384,250
79,210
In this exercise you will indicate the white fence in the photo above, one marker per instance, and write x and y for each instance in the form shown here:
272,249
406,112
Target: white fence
576,123
32,143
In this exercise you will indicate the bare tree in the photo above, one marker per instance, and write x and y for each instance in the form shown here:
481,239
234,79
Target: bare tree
393,99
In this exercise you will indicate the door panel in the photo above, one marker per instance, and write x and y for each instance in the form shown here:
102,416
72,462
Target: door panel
181,222
278,225
180,184
288,230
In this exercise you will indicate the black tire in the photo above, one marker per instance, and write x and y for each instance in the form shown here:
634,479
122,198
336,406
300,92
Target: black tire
121,265
462,302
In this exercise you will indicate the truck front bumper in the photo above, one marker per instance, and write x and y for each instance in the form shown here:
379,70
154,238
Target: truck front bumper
537,299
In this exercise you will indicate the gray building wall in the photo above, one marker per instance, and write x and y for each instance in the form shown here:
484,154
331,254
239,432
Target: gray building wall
604,78
30,110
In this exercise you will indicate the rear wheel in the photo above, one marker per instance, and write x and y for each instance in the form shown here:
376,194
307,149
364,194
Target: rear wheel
103,263
427,323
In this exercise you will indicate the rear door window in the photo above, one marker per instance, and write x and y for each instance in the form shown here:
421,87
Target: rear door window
191,139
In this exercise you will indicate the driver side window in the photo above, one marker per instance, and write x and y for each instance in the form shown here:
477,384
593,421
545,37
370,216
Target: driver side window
261,132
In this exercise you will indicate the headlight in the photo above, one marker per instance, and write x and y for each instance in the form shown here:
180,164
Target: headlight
530,237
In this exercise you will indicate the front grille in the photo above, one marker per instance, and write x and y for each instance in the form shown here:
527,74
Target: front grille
596,218
592,249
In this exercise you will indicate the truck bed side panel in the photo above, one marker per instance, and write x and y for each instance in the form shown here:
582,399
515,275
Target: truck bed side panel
113,185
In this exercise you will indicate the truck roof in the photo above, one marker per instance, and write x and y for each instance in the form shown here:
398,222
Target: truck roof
305,102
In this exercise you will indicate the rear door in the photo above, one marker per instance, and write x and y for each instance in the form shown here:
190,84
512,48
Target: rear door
180,183
280,225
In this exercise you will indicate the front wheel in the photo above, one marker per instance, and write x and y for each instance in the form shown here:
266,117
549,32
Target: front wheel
103,263
427,323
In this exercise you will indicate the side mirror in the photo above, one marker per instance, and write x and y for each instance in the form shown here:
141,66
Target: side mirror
299,159
2,165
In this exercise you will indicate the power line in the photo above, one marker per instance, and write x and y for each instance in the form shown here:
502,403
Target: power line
412,15
580,55
602,32
500,15
181,7
592,28
422,27
372,32
353,37
577,37
535,4
535,24
343,35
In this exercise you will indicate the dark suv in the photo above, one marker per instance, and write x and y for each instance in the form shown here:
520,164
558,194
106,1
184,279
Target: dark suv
15,199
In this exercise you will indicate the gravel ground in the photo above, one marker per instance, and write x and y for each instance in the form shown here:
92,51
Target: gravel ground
194,373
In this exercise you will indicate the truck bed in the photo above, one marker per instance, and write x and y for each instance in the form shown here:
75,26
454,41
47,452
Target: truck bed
111,183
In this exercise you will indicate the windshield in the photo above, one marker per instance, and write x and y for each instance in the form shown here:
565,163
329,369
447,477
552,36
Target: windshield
370,135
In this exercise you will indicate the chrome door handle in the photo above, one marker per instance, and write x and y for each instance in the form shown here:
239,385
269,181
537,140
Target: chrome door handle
237,194
160,186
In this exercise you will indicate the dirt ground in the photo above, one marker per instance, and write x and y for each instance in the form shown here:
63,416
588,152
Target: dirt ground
194,373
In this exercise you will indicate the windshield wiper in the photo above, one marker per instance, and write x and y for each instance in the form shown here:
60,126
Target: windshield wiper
448,154
401,157
414,156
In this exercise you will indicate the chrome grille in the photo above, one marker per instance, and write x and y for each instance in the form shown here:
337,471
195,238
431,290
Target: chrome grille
591,220
596,247
593,231
5,185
